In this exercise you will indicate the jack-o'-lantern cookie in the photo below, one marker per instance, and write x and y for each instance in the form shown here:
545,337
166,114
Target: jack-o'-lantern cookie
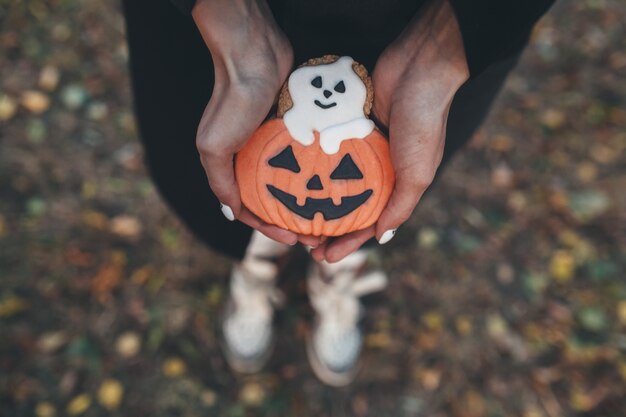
321,168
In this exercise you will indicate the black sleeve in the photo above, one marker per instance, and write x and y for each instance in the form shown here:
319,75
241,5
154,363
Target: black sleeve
495,29
184,6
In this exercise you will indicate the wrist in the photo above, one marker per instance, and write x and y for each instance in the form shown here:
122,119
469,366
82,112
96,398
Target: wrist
434,44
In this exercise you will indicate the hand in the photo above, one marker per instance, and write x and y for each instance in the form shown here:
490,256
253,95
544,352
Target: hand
252,58
415,80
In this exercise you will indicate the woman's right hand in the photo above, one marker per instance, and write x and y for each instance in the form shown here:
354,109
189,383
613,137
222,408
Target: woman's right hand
252,58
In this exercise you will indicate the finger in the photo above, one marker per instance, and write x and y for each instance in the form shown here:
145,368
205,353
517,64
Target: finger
416,152
273,232
345,245
318,253
221,133
311,241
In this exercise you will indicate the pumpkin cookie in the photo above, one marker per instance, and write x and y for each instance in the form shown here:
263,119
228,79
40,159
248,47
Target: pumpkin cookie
321,168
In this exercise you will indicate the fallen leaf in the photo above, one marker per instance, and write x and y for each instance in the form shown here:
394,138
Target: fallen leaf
427,238
126,226
110,394
51,341
45,409
174,367
587,172
430,378
35,101
562,266
378,340
433,320
95,219
49,78
11,305
8,107
73,96
79,404
593,319
553,118
463,325
108,277
128,344
208,397
496,326
252,394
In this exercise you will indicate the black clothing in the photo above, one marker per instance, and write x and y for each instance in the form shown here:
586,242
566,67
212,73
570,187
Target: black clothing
492,30
172,76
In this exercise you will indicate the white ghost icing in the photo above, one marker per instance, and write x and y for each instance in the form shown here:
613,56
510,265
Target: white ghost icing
329,99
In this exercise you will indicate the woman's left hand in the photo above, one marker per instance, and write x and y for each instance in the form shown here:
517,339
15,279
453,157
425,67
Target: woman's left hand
415,80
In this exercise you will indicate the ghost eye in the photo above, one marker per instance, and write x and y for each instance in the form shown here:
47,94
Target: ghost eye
346,170
317,82
285,159
340,87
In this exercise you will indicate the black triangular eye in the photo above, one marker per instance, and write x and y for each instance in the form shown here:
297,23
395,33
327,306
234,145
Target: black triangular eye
340,87
317,82
285,159
346,170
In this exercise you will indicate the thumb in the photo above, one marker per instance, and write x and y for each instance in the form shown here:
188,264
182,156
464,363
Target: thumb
416,152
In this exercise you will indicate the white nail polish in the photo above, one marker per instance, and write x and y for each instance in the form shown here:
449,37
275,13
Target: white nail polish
227,211
386,237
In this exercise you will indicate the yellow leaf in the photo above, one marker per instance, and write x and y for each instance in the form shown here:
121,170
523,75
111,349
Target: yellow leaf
11,305
45,409
3,226
174,367
128,344
79,404
35,101
562,266
7,107
110,394
433,320
252,394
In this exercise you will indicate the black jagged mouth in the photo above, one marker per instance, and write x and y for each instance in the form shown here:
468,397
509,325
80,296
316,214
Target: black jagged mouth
324,106
329,210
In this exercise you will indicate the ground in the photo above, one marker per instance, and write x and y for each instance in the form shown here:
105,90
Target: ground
507,294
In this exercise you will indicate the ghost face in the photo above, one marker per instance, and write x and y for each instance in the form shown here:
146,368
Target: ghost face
327,95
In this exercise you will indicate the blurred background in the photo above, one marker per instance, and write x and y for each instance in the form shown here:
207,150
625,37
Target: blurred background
507,294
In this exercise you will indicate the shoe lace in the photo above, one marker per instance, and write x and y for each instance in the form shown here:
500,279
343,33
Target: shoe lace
335,290
253,289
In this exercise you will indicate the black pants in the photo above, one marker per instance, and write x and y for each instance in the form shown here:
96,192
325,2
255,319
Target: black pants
172,77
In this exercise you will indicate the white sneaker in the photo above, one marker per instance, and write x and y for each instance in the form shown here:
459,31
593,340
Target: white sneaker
247,324
335,344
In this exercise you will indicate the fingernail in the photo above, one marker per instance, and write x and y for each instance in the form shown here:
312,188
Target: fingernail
227,211
387,236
